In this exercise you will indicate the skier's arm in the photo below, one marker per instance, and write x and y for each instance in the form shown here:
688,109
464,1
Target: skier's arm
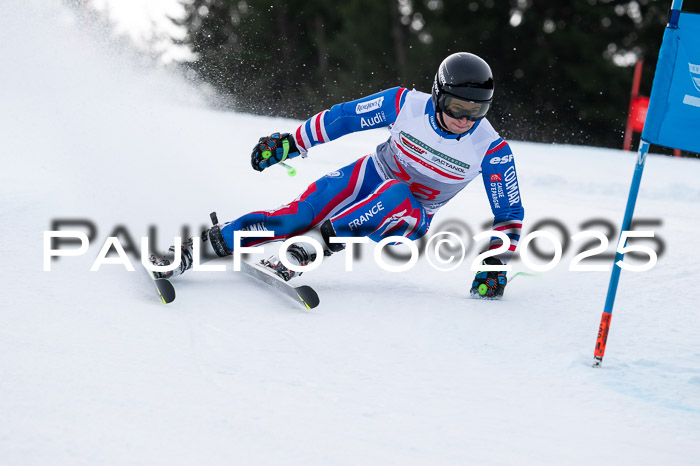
374,111
501,183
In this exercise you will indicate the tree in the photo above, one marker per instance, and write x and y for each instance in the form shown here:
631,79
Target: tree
563,69
295,58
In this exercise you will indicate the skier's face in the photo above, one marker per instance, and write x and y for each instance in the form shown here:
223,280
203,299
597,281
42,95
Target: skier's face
457,125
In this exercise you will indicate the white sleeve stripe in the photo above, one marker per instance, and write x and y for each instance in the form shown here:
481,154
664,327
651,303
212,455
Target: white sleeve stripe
322,116
510,230
313,128
305,136
310,129
498,240
507,223
317,127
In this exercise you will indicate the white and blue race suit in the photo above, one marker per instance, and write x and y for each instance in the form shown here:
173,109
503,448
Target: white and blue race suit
398,188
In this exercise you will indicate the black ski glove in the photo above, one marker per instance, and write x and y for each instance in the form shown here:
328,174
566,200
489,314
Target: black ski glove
273,149
489,285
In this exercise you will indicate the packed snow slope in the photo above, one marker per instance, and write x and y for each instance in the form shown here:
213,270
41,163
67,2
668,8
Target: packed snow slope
391,369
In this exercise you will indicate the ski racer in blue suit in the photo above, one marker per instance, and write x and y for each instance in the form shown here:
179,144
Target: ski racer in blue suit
438,143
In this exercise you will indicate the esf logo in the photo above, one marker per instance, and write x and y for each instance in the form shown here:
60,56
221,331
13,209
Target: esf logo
501,160
364,107
369,122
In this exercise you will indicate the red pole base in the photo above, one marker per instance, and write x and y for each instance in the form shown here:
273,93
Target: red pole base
602,339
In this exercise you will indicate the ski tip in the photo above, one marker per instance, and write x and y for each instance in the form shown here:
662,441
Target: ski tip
308,296
166,290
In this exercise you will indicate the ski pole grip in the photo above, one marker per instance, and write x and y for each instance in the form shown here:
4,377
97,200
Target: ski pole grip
214,218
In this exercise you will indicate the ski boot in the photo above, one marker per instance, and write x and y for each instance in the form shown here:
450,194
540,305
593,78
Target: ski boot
185,260
212,243
300,253
297,254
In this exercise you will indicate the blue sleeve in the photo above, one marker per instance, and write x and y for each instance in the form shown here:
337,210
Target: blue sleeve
374,111
501,183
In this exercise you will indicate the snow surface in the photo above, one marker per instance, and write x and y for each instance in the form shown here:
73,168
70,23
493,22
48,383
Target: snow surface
392,368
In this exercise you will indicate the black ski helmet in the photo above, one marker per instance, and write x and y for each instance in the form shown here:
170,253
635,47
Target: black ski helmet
467,77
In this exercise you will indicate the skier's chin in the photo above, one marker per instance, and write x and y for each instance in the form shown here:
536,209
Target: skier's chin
457,126
459,129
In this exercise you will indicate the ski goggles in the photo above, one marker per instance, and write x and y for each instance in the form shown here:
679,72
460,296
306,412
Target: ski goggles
460,108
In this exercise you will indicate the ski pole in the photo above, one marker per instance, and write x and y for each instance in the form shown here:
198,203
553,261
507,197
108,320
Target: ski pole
523,274
291,171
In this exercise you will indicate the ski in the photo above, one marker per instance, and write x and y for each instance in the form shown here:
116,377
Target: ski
303,295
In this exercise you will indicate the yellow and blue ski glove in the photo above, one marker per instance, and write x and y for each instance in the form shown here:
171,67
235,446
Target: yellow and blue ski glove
273,149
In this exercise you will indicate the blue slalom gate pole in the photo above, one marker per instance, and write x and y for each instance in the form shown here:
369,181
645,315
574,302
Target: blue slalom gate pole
615,276
671,121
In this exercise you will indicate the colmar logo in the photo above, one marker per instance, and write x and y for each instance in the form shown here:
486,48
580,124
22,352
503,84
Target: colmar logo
512,187
496,177
364,107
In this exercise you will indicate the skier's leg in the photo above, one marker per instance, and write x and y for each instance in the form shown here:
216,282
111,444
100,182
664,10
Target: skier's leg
322,199
325,197
389,210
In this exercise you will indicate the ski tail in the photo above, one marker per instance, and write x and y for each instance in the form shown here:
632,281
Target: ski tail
303,295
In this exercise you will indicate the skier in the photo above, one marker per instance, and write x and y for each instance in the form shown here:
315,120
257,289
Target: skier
438,144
